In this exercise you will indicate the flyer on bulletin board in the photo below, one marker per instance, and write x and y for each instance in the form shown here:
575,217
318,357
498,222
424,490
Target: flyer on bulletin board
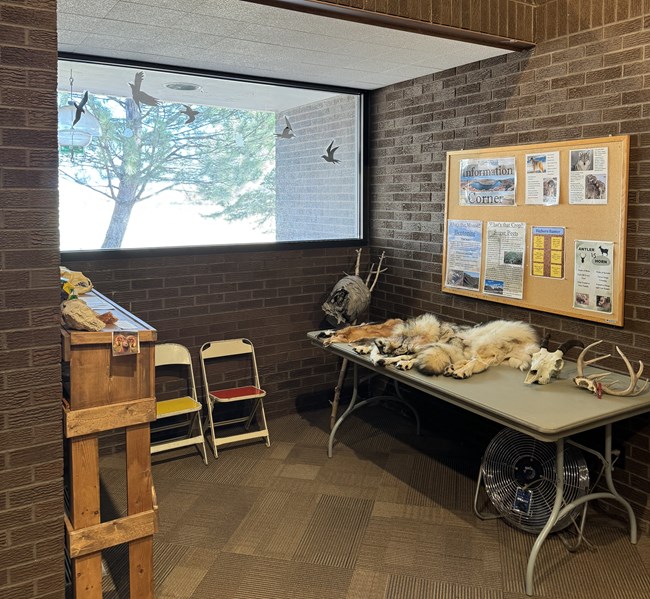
488,182
547,252
464,248
593,279
504,259
588,176
543,179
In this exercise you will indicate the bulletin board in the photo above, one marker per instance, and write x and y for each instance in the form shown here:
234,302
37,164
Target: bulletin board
493,193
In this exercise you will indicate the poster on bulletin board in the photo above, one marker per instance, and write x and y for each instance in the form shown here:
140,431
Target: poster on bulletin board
552,198
547,252
593,280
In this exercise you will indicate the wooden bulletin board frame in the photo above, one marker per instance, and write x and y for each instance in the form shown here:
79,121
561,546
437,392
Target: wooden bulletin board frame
598,222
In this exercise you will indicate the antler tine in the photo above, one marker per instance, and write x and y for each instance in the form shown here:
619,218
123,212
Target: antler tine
581,362
378,271
356,266
370,273
631,389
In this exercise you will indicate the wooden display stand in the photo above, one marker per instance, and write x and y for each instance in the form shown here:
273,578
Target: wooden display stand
109,391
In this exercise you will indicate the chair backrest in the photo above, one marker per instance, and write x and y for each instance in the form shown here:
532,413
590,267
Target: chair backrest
228,348
175,354
172,353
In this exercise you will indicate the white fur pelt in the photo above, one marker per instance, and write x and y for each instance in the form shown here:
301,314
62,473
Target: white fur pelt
435,347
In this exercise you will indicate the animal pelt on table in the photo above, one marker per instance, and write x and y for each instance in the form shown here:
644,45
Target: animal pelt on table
437,347
361,332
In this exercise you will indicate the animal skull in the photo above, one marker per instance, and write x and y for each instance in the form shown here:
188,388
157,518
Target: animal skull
546,365
589,384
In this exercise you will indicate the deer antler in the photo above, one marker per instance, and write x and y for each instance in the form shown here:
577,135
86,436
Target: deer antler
631,389
596,383
356,266
377,272
581,363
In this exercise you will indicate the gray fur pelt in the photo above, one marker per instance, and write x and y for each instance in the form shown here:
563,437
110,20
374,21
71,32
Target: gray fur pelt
349,298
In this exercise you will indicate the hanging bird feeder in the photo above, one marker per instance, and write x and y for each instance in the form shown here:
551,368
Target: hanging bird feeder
76,126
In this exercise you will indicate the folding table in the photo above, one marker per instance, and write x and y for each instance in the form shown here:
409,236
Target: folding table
549,413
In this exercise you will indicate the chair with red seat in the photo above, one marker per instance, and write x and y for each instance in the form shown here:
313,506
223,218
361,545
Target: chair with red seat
236,358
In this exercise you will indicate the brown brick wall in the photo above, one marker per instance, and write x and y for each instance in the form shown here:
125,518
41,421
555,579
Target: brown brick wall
31,490
272,297
506,18
593,82
589,76
316,199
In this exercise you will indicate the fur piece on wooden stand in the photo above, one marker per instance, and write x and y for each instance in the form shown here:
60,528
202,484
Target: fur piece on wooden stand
350,297
348,300
79,316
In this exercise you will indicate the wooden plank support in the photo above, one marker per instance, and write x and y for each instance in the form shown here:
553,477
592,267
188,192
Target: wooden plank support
139,498
107,534
87,421
85,511
109,392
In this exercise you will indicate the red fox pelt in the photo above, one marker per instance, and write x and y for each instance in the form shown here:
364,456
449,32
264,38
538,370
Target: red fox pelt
435,347
361,332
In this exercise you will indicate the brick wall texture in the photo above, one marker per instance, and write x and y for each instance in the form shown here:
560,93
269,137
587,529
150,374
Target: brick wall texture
587,77
508,18
590,78
315,199
31,490
271,297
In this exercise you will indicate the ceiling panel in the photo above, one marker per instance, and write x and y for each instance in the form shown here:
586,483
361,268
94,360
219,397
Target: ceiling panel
250,39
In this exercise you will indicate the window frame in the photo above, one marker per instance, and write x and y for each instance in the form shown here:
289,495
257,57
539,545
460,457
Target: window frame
362,182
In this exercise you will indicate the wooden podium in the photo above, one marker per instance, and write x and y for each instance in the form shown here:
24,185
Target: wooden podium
105,392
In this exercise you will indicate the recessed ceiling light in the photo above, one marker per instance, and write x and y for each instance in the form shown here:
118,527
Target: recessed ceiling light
183,87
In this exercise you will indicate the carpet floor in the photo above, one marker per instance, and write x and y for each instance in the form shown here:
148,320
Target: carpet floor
389,516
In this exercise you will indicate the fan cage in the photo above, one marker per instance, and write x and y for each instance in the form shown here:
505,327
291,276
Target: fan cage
519,476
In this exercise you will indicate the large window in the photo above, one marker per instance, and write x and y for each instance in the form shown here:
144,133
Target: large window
156,158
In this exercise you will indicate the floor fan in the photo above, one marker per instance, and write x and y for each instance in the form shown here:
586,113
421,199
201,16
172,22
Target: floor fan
519,477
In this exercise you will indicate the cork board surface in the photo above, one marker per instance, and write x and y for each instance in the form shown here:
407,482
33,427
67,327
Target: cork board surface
601,222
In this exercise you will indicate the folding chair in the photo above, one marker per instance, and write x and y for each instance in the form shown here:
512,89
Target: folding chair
236,359
184,412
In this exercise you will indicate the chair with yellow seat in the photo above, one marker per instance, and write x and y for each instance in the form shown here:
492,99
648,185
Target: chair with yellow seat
178,420
236,361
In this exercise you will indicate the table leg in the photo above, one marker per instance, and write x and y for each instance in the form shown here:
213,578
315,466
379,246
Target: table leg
354,405
477,512
612,488
608,467
337,392
349,410
552,519
557,513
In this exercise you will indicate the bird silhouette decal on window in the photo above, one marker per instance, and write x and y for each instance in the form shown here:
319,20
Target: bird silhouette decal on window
191,114
140,97
287,132
80,109
329,157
